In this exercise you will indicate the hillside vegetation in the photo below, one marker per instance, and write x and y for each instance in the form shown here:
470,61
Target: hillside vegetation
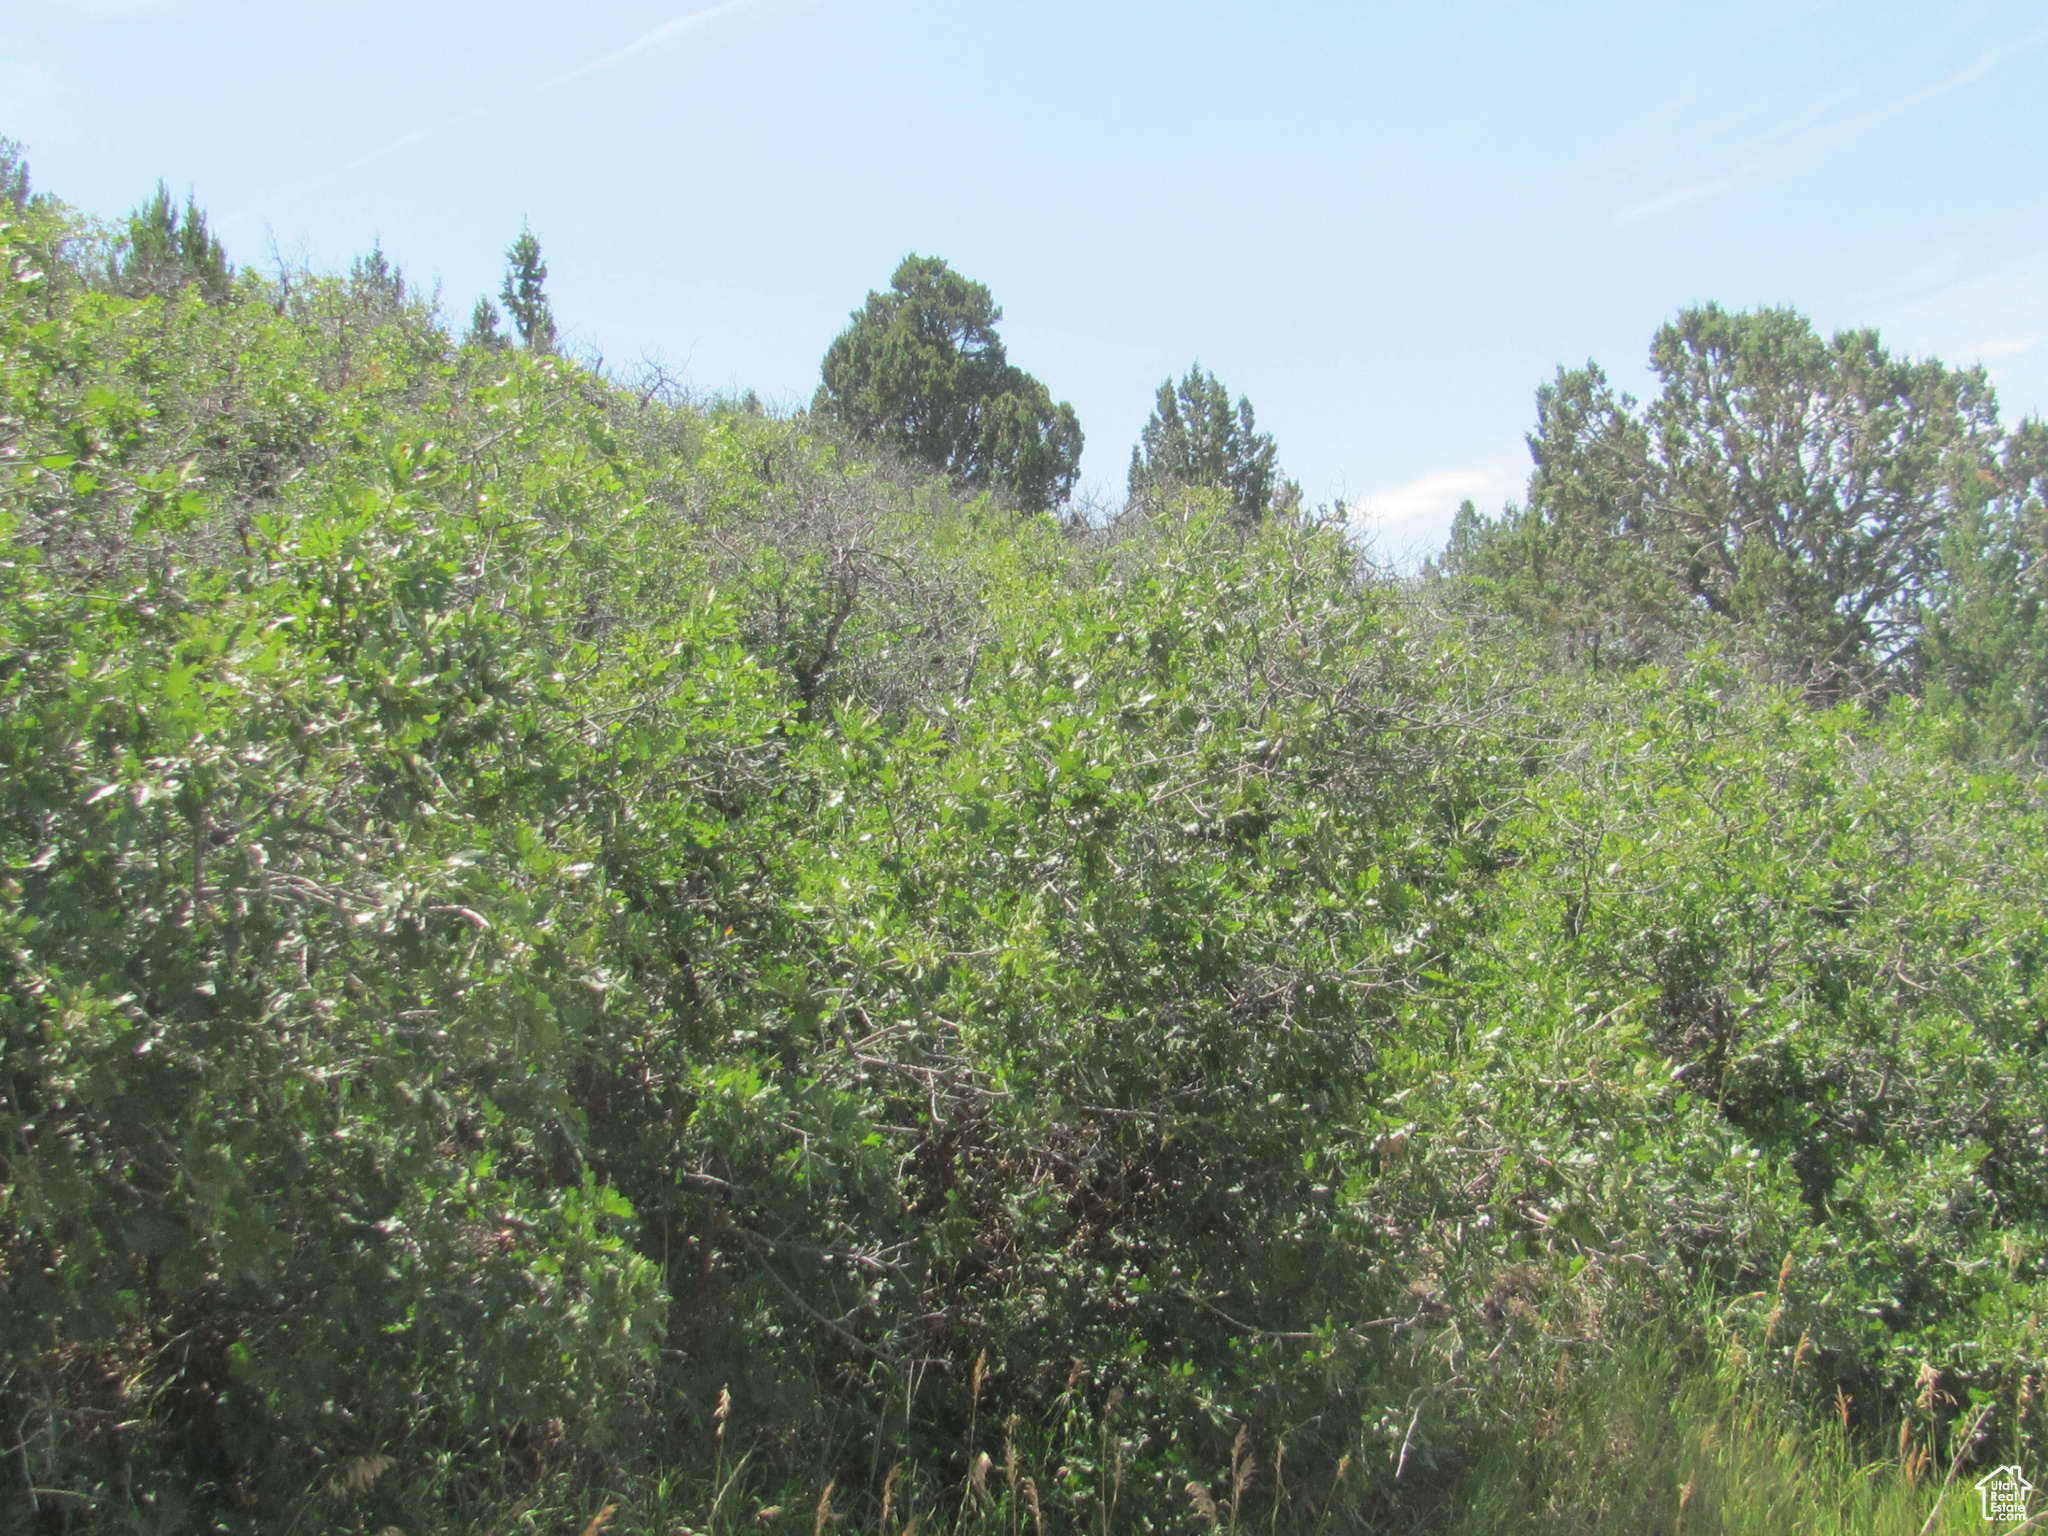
577,959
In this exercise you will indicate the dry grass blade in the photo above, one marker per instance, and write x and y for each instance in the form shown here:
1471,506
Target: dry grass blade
1010,1472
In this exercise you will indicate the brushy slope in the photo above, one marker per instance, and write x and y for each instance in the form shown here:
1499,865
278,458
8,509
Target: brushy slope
567,953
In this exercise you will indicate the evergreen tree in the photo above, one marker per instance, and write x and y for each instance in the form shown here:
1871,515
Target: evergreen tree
483,332
1194,438
1580,561
922,370
166,251
1793,489
525,294
376,284
14,188
1983,653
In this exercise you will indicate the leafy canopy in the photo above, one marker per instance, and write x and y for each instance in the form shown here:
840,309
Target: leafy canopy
922,371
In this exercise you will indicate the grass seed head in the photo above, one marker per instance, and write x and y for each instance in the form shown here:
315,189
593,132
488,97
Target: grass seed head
889,1494
357,1474
1242,1464
1929,1380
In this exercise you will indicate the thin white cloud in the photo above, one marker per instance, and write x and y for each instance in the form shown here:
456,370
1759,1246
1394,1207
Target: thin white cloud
117,7
655,37
1765,153
1986,62
1949,258
1996,315
1623,158
1407,524
1736,177
403,141
299,189
2008,300
1667,134
1810,145
1436,494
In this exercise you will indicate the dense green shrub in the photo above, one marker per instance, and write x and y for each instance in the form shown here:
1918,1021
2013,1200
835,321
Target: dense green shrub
565,949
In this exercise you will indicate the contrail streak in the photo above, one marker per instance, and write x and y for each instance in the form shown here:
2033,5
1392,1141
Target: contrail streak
1806,145
668,31
654,38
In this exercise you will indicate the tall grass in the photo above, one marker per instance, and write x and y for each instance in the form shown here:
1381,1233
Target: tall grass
1672,1431
1654,1440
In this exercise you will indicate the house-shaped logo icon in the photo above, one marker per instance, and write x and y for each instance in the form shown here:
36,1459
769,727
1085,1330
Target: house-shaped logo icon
2004,1491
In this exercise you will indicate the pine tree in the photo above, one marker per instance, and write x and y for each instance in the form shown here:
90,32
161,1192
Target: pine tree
377,285
167,252
483,332
1195,439
525,295
13,174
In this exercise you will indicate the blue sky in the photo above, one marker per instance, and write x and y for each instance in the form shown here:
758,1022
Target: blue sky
1384,223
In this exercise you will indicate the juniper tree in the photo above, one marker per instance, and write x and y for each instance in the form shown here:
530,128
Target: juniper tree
922,370
1791,490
